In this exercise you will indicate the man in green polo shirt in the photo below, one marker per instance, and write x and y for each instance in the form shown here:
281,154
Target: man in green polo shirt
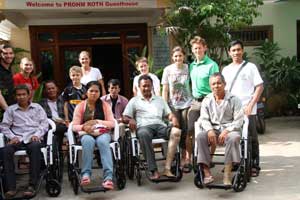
200,71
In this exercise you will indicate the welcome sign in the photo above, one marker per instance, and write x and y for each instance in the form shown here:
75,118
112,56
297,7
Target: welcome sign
80,4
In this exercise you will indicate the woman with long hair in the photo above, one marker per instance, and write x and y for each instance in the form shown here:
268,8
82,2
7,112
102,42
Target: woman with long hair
93,120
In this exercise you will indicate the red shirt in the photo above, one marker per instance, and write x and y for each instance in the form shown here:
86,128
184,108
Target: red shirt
32,82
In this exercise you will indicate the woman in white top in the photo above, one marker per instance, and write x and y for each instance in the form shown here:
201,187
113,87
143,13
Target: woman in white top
142,66
177,92
90,73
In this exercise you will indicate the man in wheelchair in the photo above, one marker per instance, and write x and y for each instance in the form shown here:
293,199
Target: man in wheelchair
145,114
220,121
24,124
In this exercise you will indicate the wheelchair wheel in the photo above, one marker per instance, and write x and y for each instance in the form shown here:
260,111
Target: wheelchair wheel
198,179
120,175
53,188
75,183
138,173
56,169
129,160
239,181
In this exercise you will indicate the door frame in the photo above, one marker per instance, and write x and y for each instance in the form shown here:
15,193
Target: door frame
56,44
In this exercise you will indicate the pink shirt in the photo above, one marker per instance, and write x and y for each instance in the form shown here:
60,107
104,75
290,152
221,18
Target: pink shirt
120,105
79,112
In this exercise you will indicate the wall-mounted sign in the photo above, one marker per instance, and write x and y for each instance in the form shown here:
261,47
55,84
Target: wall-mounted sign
79,4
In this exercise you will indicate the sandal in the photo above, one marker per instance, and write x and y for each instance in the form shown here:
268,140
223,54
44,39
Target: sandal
254,172
29,192
187,168
108,184
155,176
85,180
208,180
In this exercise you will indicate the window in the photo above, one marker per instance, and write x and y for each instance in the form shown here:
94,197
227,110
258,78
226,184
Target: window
254,35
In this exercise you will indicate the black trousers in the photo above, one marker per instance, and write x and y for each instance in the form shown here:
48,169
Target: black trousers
60,133
252,132
33,150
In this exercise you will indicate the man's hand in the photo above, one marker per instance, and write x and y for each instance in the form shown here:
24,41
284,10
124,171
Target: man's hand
248,109
14,140
132,124
212,139
222,137
35,139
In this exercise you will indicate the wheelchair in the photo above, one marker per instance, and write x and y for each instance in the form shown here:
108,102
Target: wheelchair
74,169
242,171
135,164
51,170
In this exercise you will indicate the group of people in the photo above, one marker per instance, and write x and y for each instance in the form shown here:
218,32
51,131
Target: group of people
192,92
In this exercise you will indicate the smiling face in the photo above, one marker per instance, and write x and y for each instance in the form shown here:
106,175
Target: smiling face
7,56
143,67
51,90
236,53
178,58
84,59
146,88
199,50
75,77
26,66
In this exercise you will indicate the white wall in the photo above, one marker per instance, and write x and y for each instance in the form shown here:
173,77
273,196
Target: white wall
283,16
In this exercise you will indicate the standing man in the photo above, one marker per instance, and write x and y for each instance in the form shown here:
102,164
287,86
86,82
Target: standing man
24,124
200,71
6,79
248,86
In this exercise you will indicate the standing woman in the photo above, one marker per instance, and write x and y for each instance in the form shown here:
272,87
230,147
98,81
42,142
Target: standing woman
90,73
93,120
26,76
177,92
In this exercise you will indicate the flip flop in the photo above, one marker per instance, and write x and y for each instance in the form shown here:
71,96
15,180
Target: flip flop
108,184
208,180
85,180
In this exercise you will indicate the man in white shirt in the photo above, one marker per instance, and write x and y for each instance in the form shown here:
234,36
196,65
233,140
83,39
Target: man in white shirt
248,86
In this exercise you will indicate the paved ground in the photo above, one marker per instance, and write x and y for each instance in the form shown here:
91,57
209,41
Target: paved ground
279,179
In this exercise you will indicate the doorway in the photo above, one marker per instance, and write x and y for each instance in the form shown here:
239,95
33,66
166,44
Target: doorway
56,48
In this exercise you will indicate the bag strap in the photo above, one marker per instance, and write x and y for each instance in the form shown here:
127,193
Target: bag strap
236,75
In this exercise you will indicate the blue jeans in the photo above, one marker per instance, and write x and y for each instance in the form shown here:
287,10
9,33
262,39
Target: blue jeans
88,144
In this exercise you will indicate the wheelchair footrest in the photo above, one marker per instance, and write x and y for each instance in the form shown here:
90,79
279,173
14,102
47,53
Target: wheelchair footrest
219,186
93,189
164,179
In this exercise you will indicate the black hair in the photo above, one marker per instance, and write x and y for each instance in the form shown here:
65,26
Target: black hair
235,42
145,77
218,74
113,82
99,113
44,86
21,87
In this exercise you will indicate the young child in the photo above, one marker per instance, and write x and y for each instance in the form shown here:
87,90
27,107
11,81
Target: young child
142,66
26,76
73,94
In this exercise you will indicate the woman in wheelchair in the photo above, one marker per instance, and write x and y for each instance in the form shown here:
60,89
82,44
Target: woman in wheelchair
93,120
24,124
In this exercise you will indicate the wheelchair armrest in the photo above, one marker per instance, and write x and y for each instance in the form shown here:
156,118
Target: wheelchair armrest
70,134
2,142
116,133
245,128
50,132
